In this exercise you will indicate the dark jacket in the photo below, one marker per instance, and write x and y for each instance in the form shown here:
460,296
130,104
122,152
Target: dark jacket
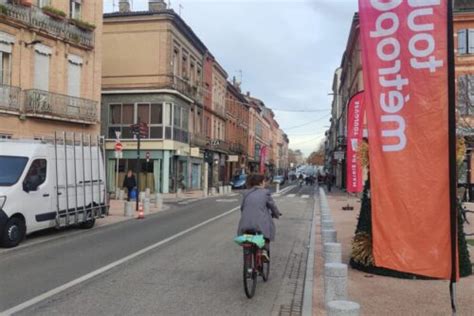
258,208
129,182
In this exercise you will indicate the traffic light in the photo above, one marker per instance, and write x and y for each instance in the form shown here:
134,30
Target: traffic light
140,129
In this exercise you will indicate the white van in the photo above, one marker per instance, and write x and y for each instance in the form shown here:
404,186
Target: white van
33,190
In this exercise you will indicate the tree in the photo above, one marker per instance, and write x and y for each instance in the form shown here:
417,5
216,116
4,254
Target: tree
317,156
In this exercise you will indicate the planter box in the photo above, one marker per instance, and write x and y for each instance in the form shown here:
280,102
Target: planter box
54,16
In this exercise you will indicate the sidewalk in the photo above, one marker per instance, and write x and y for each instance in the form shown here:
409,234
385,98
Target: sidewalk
378,295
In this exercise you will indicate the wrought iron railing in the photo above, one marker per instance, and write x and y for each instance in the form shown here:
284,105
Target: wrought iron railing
10,98
34,17
199,140
61,107
236,148
193,91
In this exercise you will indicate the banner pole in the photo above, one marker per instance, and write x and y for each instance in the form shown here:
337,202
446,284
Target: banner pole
452,155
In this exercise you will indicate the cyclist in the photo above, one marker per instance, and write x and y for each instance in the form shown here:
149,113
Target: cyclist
258,210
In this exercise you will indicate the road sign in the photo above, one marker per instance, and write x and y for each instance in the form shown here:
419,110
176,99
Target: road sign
118,155
117,135
118,146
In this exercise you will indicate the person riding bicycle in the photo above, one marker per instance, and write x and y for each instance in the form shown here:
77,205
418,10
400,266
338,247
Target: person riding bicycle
258,210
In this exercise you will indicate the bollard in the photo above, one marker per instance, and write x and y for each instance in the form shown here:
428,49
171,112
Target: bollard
343,308
141,197
327,224
328,235
117,194
213,191
278,188
178,192
335,282
122,195
158,201
325,217
128,208
146,206
147,193
332,252
230,189
221,190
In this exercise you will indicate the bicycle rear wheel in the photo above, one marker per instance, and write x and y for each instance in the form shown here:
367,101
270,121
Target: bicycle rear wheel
249,273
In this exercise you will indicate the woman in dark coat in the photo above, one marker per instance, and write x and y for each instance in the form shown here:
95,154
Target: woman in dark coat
258,210
129,182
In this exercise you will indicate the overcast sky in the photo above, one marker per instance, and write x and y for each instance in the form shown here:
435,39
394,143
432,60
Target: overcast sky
287,51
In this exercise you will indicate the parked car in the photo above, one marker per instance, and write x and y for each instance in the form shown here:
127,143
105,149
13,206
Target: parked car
49,185
239,181
279,179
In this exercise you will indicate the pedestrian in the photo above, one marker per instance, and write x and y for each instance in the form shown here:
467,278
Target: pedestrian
257,211
329,181
130,183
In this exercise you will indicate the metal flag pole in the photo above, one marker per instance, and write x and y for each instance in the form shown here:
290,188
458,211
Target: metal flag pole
452,157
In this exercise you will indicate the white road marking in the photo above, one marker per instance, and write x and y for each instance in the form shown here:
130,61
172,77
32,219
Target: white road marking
305,196
228,200
291,195
108,267
187,201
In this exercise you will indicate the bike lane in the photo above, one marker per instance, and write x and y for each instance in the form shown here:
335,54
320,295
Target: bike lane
198,273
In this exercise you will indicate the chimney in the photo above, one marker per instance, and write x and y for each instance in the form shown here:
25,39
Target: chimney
156,5
234,81
124,6
248,93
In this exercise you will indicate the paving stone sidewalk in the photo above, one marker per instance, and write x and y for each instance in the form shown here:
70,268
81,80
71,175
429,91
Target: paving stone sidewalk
379,295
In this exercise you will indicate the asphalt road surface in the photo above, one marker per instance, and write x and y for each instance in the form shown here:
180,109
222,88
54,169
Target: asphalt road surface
199,272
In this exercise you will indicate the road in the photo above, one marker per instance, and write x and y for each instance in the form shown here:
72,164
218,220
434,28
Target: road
196,273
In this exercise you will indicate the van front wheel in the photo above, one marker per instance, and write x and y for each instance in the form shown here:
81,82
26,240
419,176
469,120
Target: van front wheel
13,233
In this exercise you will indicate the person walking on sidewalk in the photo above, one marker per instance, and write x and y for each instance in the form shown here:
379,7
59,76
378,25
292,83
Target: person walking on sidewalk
258,210
130,183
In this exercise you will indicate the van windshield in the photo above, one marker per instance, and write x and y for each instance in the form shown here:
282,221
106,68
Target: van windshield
11,169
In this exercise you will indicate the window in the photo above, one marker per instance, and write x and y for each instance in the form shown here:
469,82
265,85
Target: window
42,57
122,116
184,69
74,75
42,3
5,136
36,175
466,41
75,9
175,62
5,68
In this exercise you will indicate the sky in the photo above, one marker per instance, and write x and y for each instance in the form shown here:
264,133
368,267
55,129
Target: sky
285,53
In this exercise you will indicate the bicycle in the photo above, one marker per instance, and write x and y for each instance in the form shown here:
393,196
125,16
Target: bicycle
254,266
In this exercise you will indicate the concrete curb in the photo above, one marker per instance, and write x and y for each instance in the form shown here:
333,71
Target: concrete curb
309,275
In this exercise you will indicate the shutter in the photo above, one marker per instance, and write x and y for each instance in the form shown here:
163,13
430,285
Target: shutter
41,72
74,80
470,41
462,49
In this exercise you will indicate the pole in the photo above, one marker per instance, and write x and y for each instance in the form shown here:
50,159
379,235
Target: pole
117,174
137,169
452,156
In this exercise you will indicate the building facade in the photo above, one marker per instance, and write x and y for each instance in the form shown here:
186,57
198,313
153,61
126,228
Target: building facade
237,130
160,85
50,67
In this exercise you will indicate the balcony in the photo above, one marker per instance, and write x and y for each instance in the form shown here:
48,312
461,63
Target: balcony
237,148
60,107
10,98
34,18
193,91
198,140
